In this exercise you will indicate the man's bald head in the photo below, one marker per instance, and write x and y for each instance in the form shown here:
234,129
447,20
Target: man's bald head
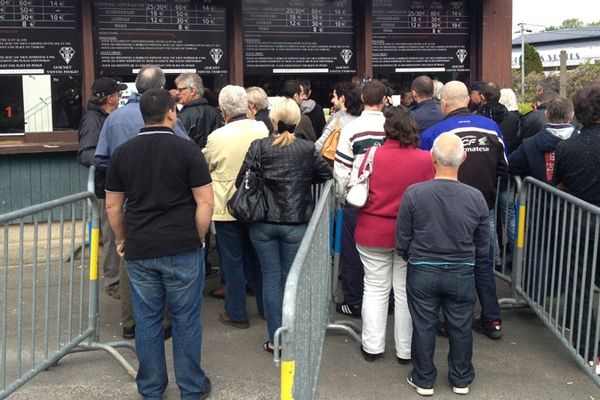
448,150
455,95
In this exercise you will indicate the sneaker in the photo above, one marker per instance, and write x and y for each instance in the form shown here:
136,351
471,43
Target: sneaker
207,389
348,309
595,363
370,357
460,390
492,329
420,390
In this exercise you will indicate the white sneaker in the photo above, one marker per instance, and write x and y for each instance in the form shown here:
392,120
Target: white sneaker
462,390
420,390
597,365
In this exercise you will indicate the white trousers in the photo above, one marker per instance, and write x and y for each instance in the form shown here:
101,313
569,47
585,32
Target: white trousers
384,269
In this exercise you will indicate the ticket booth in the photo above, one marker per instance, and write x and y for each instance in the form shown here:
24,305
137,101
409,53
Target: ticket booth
52,50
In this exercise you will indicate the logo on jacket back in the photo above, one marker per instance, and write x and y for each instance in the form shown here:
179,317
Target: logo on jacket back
476,144
549,161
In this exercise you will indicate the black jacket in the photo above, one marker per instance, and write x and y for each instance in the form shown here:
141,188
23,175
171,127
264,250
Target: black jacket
508,121
289,173
89,132
535,157
263,116
533,122
200,119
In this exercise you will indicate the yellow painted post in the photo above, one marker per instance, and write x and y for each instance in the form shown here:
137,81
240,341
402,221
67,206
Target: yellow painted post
521,233
288,370
94,248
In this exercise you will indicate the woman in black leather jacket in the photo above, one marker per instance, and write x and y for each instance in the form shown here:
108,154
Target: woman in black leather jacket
290,167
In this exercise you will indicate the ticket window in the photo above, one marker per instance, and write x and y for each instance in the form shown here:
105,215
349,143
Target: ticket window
39,103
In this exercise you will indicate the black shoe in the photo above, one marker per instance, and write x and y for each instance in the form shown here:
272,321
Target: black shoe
348,309
370,357
211,272
129,332
492,329
403,361
207,389
168,332
441,330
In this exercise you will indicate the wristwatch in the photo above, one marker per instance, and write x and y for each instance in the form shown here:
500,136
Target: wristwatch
119,241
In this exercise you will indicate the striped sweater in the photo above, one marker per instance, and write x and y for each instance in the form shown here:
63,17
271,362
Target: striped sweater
356,137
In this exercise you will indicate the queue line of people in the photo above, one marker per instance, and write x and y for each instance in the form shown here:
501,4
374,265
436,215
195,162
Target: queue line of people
384,244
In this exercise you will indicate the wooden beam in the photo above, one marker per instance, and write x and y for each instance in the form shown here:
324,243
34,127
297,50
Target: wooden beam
496,42
88,75
236,42
363,15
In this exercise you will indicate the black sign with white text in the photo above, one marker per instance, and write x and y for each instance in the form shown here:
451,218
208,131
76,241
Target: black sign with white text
420,36
293,36
40,37
177,35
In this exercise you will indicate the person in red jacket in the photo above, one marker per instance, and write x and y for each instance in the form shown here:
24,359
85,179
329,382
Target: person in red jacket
397,164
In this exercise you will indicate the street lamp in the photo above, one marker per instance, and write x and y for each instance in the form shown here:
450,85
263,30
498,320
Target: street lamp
523,30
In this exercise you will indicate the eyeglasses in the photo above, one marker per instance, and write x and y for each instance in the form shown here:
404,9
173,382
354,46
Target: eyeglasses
179,89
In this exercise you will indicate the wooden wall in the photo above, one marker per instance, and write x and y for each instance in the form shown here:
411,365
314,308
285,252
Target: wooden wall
29,179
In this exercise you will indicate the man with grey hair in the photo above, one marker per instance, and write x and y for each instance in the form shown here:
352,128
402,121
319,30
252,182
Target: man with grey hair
225,150
483,142
443,248
198,117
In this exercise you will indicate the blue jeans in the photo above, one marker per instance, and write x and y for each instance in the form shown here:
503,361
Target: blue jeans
239,262
485,282
181,279
451,287
351,267
276,246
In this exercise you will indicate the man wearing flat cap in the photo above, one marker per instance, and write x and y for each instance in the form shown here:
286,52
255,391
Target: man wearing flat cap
103,100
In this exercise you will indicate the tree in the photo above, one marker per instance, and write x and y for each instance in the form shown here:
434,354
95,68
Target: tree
571,23
533,61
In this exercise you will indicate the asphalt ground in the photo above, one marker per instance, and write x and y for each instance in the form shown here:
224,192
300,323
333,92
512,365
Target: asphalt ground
527,363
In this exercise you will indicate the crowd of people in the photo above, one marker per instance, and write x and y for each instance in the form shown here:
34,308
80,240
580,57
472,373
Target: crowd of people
423,245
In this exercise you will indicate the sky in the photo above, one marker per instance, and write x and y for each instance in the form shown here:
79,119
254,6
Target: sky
540,13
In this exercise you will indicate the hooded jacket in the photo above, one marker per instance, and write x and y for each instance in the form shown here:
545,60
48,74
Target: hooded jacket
536,156
508,121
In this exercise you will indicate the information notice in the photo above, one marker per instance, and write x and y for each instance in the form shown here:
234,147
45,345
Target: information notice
293,36
420,36
39,37
177,35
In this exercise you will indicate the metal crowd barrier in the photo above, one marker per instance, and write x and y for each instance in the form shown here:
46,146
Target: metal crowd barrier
506,211
45,296
556,262
306,304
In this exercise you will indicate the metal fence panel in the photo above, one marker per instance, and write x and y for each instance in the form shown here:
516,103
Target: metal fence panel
557,270
49,288
306,304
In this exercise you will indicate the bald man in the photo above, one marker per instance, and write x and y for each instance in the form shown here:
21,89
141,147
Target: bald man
486,160
442,261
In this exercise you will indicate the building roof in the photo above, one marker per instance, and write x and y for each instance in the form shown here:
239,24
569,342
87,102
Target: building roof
561,35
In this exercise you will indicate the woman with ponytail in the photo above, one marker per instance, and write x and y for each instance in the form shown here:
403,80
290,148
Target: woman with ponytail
289,167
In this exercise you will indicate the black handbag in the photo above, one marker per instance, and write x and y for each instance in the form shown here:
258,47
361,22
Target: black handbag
248,203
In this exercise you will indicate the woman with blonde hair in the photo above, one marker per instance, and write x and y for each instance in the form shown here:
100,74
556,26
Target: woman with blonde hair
289,168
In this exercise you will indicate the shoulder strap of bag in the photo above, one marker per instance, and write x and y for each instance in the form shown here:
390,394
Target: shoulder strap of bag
366,167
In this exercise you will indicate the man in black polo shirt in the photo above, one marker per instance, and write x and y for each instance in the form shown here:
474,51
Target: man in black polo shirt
160,234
